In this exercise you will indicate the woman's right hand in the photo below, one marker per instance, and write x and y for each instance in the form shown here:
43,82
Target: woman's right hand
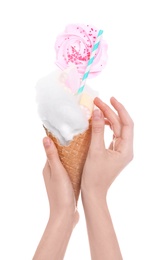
103,165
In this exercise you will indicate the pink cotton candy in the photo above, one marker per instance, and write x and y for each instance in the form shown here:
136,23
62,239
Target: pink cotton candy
71,79
74,46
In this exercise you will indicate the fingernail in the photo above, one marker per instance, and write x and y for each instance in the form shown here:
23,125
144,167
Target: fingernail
97,114
114,99
47,142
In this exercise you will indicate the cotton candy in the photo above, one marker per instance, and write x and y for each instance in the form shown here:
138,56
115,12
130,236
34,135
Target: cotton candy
59,109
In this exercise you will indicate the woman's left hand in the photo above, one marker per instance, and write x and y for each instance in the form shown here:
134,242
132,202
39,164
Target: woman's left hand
58,185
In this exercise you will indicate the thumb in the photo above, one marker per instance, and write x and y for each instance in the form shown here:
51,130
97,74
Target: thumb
51,151
97,140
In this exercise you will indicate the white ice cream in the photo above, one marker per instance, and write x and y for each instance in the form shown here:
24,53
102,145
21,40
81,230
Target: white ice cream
59,109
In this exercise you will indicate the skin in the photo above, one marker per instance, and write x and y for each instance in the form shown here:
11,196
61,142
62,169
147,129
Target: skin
100,170
63,214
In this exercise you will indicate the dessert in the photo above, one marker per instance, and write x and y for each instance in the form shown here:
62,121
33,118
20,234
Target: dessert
65,101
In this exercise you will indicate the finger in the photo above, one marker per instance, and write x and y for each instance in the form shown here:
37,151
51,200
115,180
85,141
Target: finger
110,115
107,123
97,139
46,171
47,176
56,168
51,152
126,121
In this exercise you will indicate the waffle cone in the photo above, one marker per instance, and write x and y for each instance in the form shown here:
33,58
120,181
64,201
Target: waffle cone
73,157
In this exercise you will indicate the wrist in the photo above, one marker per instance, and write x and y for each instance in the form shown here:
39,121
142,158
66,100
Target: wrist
66,218
95,207
93,198
93,190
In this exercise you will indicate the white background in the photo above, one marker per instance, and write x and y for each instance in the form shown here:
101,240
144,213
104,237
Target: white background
135,75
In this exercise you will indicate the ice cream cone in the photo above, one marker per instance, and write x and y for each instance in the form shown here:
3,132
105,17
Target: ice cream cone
73,156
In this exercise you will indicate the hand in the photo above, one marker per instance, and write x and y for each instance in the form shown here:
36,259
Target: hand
101,168
63,214
58,185
103,165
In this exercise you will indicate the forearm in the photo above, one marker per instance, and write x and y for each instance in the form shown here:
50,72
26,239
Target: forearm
102,237
55,239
